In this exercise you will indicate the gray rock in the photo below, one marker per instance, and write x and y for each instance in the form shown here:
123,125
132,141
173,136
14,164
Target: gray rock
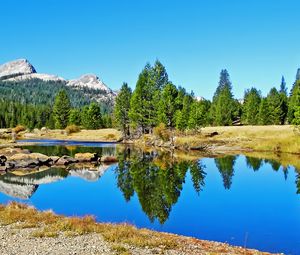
66,160
16,67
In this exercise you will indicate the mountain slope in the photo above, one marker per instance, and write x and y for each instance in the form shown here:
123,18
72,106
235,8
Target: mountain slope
20,82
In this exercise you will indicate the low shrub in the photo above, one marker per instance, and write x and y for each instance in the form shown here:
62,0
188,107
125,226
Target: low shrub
162,132
19,129
111,137
72,129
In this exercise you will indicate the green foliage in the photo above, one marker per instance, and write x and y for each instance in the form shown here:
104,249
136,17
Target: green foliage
61,109
92,117
251,105
75,117
72,129
275,107
182,116
122,108
40,92
263,114
294,101
142,112
198,114
168,106
162,132
223,105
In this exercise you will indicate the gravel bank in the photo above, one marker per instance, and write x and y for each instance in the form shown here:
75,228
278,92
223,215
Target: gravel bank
20,241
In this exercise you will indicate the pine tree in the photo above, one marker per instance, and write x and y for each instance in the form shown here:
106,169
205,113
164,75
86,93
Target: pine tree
182,116
122,108
75,117
263,114
284,101
159,75
294,101
252,99
167,105
275,105
283,88
198,114
95,116
145,98
223,105
61,109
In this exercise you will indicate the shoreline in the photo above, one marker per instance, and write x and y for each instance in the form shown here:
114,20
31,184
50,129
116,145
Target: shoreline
61,234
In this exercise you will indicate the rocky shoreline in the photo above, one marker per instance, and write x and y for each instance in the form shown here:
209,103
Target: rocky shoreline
22,159
24,230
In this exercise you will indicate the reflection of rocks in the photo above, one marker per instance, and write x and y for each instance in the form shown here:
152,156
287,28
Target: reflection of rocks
23,191
86,157
24,186
89,173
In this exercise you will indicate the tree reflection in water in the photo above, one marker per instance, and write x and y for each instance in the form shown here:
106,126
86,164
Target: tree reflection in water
225,166
157,179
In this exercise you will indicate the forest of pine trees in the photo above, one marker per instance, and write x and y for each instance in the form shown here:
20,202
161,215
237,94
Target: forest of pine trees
154,101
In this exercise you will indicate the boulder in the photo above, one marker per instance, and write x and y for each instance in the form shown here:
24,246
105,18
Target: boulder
66,160
109,159
54,159
24,156
3,159
25,163
3,169
86,157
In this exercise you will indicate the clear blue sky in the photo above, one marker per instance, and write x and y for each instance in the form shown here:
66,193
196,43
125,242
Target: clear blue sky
256,40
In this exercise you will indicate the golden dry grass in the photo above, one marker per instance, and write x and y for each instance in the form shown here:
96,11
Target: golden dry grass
258,138
122,237
99,135
50,225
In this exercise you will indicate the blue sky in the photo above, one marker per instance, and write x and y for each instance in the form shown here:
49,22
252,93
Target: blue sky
257,40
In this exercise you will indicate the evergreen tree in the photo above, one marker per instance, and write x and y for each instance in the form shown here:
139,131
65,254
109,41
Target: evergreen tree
298,75
223,105
167,105
75,117
283,88
122,108
198,114
294,101
94,116
182,116
61,109
159,75
284,101
263,114
275,105
252,99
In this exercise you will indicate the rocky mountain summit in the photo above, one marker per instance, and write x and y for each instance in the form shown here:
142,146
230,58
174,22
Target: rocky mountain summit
21,70
91,81
17,67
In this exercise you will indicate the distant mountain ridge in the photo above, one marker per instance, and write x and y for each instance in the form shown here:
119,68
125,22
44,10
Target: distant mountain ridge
21,71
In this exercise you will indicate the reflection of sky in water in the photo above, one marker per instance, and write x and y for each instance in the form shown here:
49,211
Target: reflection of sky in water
241,197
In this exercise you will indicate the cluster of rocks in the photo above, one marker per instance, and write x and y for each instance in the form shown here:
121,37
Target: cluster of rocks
16,158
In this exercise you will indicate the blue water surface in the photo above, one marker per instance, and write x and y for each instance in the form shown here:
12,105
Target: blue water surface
253,205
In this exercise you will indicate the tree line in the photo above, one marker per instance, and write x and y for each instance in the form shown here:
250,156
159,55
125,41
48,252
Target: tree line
58,115
156,100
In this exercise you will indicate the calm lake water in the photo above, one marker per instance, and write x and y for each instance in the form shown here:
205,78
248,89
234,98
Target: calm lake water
236,199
